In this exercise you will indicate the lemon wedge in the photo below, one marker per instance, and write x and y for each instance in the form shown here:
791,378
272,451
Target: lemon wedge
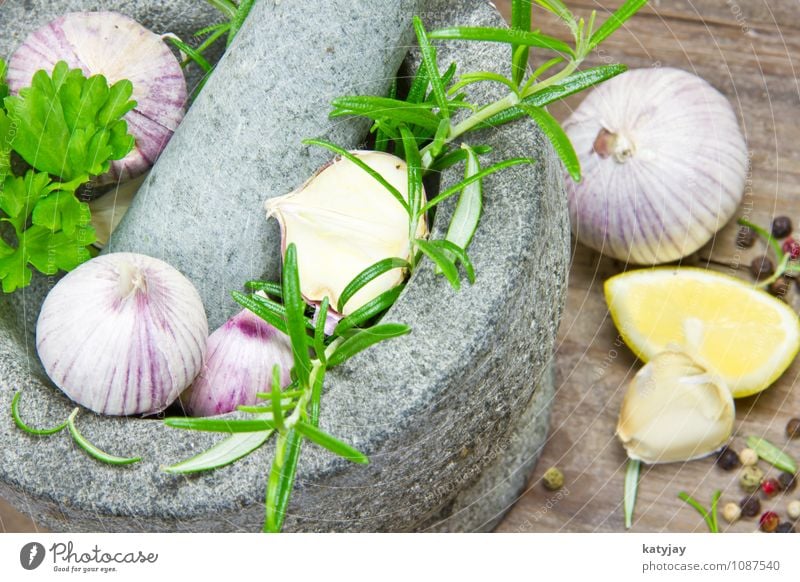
744,335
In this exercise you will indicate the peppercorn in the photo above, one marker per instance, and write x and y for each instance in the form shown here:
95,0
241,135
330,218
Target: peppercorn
781,227
769,521
761,268
750,478
770,487
785,527
788,481
779,287
751,506
553,479
731,512
791,247
727,459
793,509
745,238
748,457
793,428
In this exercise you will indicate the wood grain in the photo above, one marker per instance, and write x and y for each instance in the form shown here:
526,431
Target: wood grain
745,50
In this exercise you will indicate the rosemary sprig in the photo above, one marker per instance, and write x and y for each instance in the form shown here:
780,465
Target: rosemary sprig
632,471
710,516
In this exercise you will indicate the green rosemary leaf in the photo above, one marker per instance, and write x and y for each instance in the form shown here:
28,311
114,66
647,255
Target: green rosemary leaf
92,450
541,70
290,392
227,7
474,178
191,53
617,19
428,53
575,83
382,137
276,398
369,274
216,33
229,425
520,20
631,490
331,443
225,452
442,261
364,339
347,155
267,287
714,510
419,86
448,75
558,8
513,37
470,78
317,381
468,211
267,310
449,249
456,156
772,454
557,137
414,173
281,479
211,29
771,241
384,108
242,11
369,310
34,431
319,331
439,139
704,513
295,315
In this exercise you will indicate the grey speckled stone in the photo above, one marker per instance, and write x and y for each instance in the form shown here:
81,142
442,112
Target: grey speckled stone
452,416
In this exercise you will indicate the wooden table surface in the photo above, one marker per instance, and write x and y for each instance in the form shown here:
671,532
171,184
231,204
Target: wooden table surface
744,48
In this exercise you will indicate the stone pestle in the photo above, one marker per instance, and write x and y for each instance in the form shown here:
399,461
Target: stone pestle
202,207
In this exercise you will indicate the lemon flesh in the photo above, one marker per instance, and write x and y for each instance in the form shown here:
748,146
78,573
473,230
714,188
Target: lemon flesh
734,330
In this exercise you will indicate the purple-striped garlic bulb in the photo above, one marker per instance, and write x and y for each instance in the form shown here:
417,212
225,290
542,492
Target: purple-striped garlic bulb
664,166
241,355
117,47
122,334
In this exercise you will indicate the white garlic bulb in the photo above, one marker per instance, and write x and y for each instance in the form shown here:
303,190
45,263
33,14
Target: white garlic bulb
664,165
342,221
122,334
241,355
674,411
117,47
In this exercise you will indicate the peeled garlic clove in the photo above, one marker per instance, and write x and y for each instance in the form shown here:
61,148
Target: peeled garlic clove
108,209
241,355
122,334
117,47
674,411
664,165
343,221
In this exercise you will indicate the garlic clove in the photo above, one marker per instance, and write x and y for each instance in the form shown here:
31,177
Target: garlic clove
241,355
343,221
108,209
674,410
122,334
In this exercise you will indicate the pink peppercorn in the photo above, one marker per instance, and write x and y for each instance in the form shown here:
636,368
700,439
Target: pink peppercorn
792,248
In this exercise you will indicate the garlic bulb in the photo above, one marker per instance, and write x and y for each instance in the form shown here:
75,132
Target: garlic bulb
117,47
122,334
674,411
241,355
664,165
343,221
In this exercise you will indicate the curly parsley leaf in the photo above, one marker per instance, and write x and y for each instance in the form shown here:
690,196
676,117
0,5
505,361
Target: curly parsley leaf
69,125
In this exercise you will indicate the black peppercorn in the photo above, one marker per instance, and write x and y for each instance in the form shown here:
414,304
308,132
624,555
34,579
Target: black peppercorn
761,268
787,481
728,459
745,238
793,428
781,227
751,506
785,527
779,287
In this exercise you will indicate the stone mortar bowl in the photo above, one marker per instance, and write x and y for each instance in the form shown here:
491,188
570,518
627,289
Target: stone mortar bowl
452,416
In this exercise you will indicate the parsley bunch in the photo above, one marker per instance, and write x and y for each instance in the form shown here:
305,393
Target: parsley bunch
67,128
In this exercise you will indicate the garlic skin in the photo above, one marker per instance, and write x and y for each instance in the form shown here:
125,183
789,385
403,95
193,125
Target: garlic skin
674,411
108,209
239,362
664,165
117,47
122,334
343,221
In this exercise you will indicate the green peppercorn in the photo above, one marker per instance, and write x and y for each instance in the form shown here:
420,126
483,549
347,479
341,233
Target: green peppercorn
727,459
553,479
793,428
750,478
751,506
